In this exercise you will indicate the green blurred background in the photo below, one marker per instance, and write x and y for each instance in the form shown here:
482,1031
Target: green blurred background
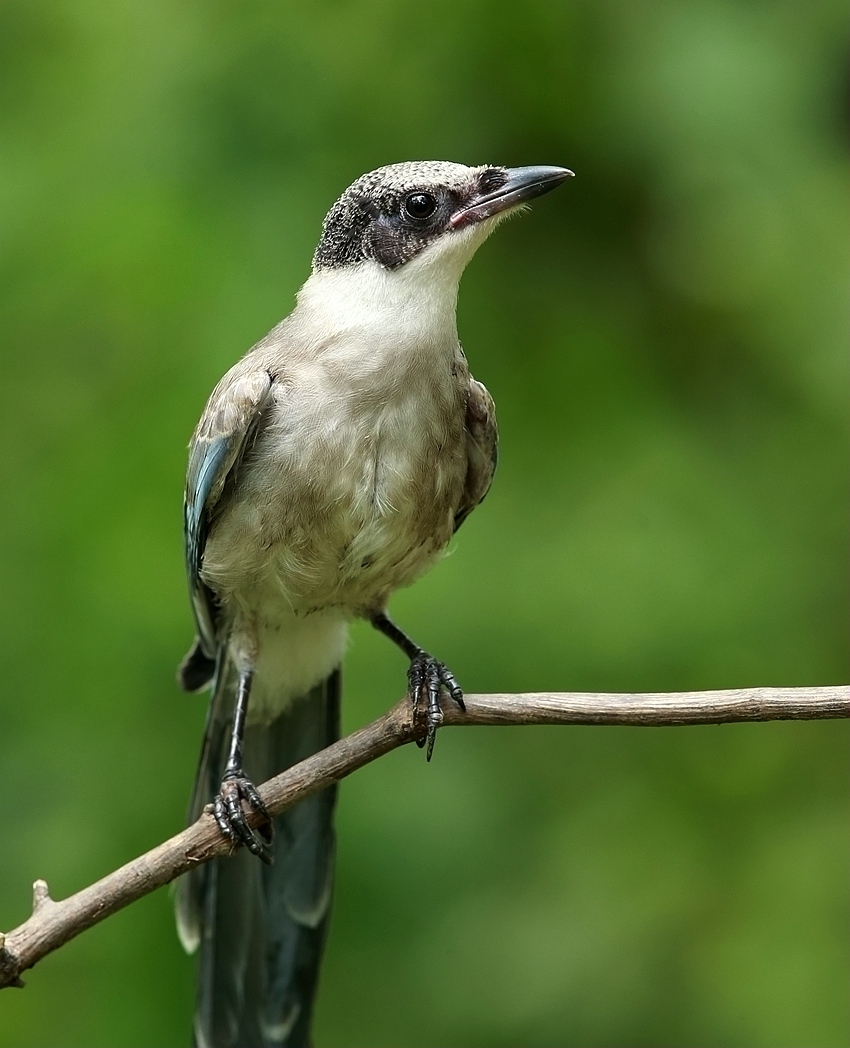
664,338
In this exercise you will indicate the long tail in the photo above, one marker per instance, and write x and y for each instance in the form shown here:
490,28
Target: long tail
261,929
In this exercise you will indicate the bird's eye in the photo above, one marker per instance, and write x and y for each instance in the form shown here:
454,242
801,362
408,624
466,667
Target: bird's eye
420,205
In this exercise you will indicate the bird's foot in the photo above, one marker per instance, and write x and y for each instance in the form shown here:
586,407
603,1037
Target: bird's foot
230,815
425,678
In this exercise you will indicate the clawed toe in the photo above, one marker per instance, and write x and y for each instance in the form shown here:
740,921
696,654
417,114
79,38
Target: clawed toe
230,816
426,677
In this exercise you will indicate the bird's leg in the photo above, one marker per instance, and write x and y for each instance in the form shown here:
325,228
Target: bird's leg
236,788
424,679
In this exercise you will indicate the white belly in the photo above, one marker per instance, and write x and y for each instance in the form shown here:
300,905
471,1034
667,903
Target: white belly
348,494
294,654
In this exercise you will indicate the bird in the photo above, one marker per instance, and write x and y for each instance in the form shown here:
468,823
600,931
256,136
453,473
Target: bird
331,466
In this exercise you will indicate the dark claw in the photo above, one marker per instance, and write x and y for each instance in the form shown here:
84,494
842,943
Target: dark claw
425,678
230,816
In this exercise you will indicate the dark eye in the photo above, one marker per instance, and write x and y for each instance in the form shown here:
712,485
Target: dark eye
420,205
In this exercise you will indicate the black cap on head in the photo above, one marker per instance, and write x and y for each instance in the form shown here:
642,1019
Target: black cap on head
389,215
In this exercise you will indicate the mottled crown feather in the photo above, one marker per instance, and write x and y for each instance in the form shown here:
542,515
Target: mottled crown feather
368,221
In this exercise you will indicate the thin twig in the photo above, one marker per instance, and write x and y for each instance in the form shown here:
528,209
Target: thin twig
53,923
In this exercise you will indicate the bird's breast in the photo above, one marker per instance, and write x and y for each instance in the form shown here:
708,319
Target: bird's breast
352,485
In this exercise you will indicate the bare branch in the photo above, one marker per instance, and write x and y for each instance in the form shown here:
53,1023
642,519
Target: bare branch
53,923
655,709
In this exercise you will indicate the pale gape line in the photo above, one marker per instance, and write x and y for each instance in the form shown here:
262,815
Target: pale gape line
331,466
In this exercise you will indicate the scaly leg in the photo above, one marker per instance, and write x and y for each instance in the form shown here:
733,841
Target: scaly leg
424,679
236,787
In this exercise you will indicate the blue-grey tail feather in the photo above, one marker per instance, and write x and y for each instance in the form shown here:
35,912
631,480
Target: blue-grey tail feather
261,929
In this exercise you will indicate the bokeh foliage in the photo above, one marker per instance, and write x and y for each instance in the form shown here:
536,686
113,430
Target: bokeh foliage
664,338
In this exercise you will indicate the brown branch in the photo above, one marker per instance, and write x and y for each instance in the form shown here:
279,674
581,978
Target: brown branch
52,923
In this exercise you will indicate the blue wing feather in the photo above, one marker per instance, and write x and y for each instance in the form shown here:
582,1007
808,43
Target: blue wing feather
226,428
209,459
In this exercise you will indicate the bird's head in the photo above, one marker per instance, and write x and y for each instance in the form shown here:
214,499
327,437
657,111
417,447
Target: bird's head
429,211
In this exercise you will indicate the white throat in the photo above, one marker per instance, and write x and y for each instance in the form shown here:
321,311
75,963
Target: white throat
418,300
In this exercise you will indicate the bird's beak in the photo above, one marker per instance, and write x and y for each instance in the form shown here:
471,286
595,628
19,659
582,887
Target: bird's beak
523,183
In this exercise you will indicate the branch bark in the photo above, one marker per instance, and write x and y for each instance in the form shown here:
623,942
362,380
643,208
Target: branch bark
53,923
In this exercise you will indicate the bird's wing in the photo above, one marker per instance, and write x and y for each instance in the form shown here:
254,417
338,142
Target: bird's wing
482,443
226,430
